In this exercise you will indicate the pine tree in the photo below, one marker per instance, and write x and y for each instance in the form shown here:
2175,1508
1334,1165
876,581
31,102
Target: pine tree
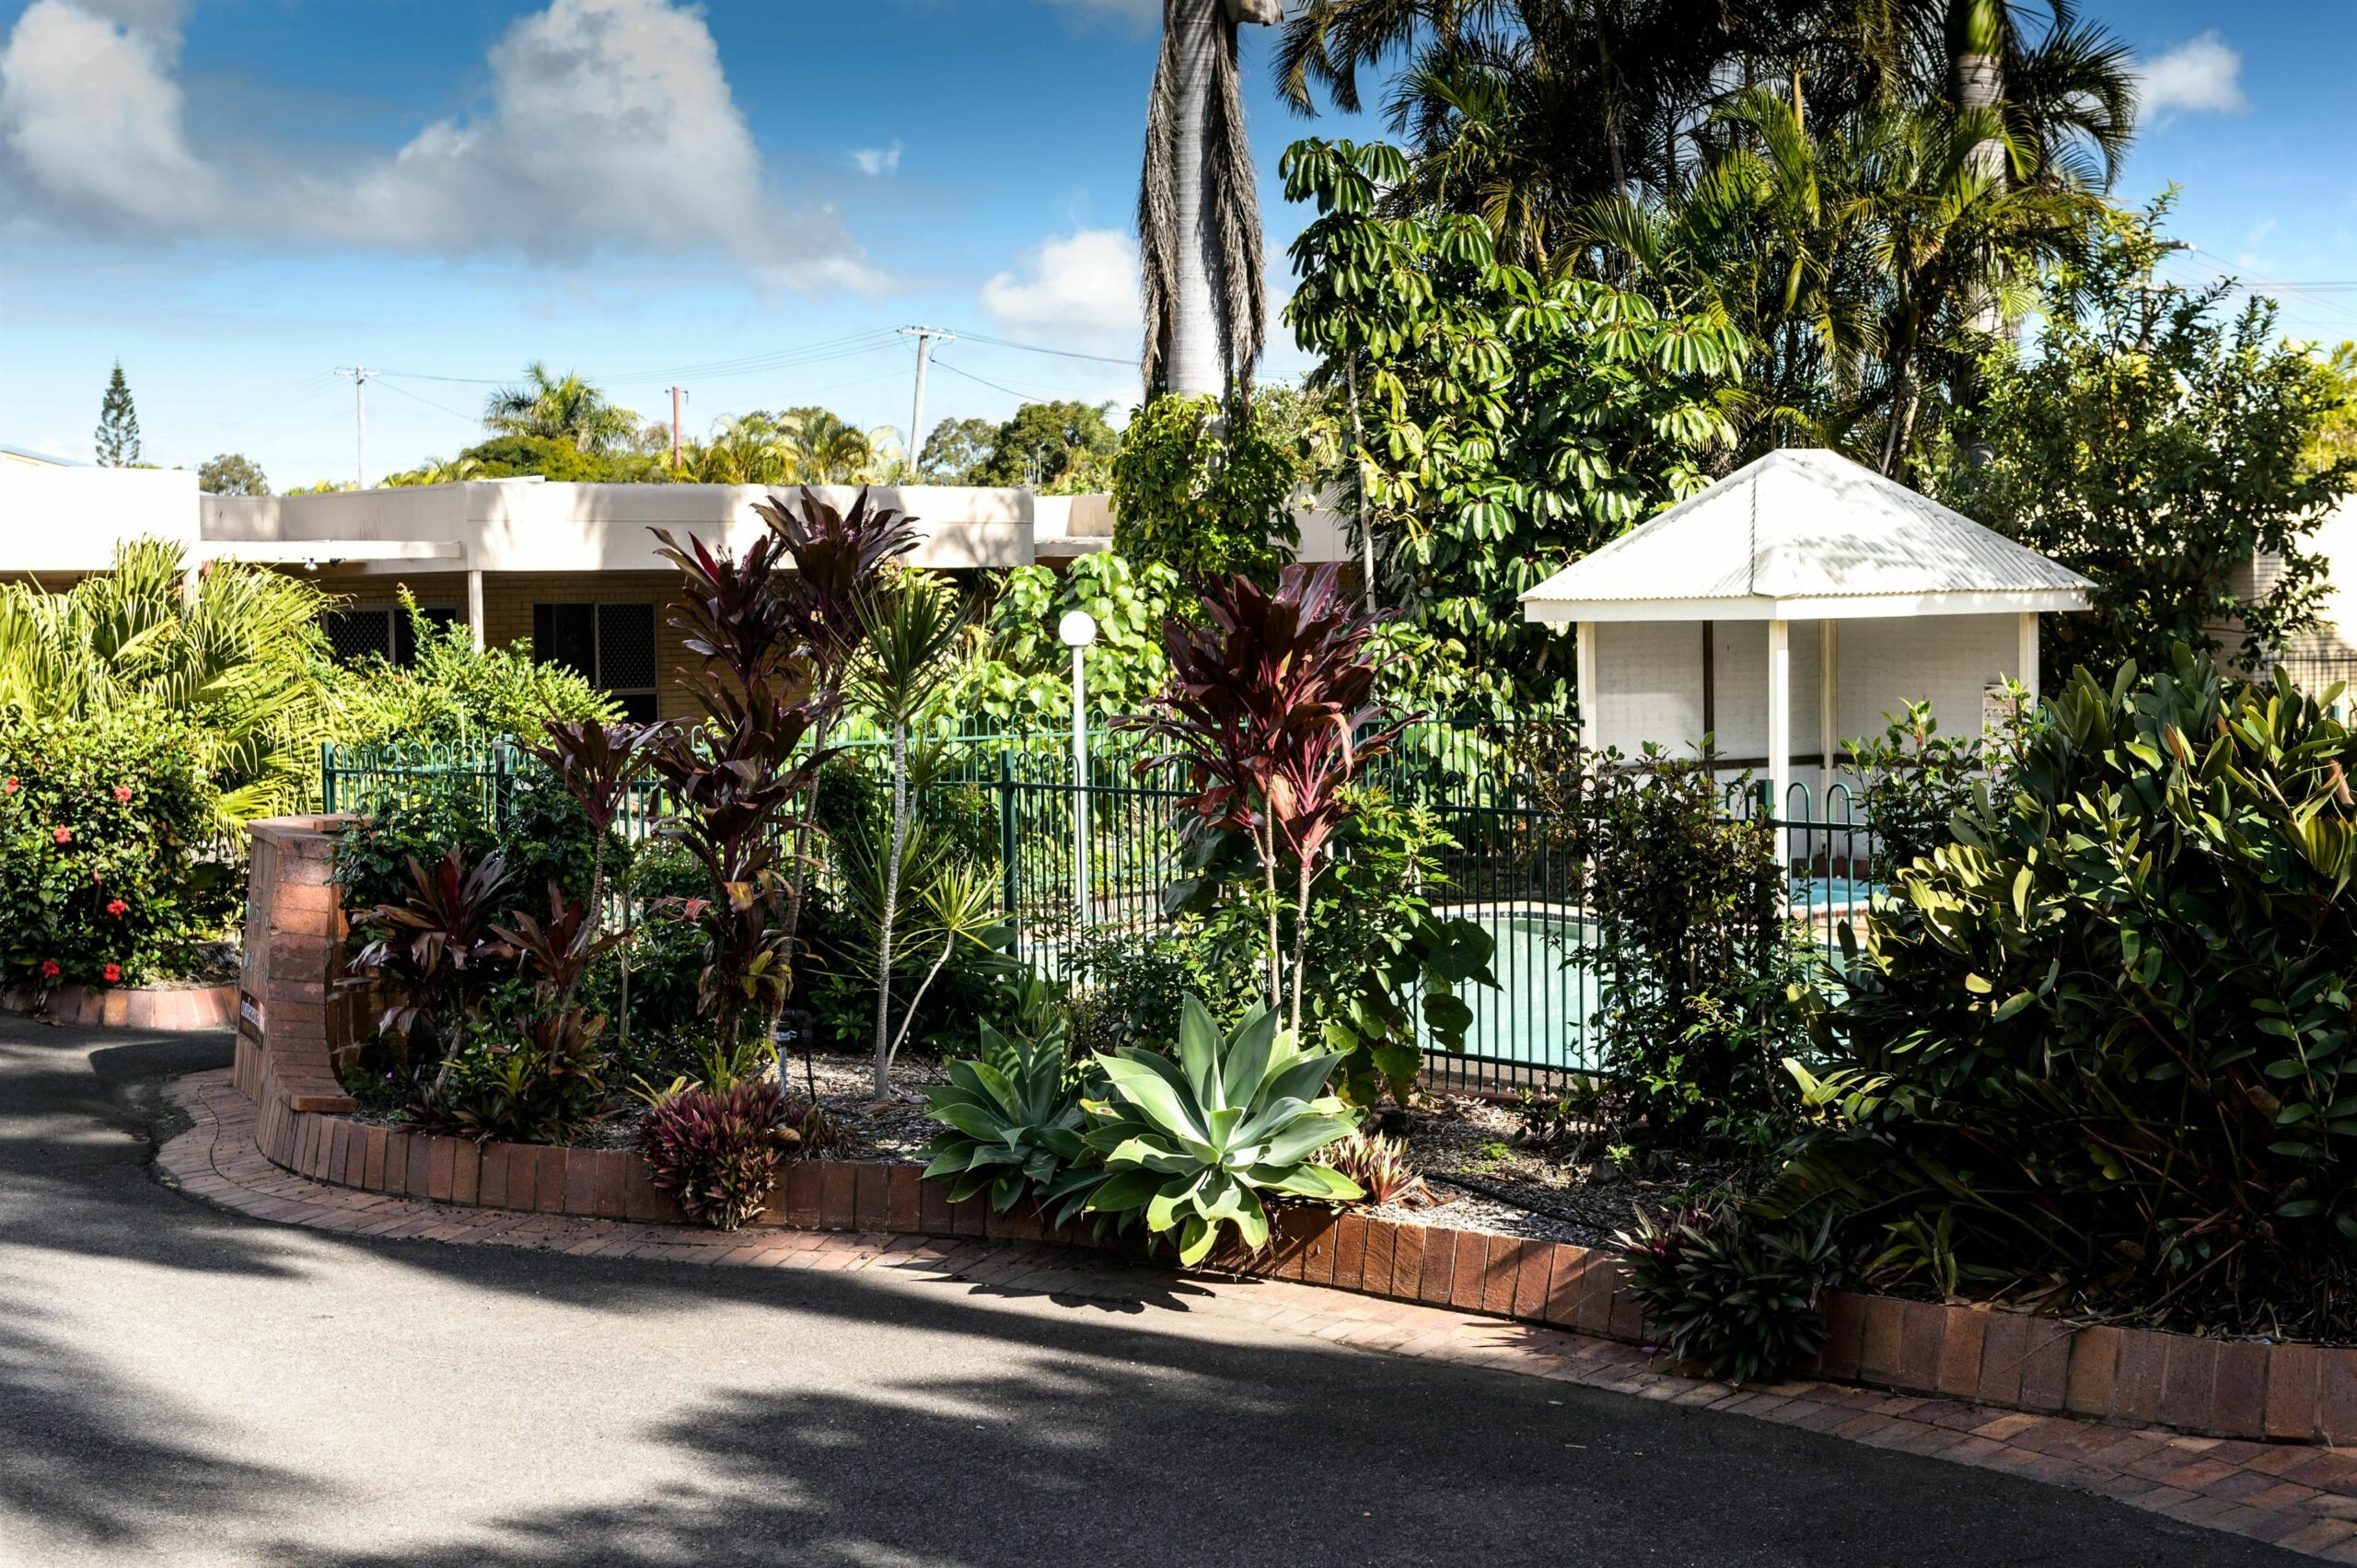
118,432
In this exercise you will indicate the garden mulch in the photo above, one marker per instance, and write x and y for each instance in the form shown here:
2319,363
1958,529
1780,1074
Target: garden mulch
2300,1496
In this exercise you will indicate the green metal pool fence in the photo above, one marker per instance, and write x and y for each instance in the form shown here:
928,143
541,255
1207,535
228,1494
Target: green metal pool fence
1072,864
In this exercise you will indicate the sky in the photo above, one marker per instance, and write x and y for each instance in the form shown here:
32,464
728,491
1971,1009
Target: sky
745,198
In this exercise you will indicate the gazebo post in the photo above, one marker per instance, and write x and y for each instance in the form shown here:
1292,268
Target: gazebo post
1584,671
2027,655
1829,700
1780,731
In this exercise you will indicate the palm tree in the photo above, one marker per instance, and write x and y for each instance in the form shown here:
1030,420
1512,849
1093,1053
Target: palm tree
242,658
749,449
828,449
1199,215
566,407
438,471
1527,112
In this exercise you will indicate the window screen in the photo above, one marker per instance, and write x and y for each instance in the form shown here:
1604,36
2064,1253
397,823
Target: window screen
610,644
384,630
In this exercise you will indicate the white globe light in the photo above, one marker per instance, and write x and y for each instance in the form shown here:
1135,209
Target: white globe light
1077,629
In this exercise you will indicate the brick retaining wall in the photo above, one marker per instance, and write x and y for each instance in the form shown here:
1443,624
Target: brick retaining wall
296,927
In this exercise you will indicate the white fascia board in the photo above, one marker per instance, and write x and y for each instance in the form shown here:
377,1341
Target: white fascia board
1836,607
394,552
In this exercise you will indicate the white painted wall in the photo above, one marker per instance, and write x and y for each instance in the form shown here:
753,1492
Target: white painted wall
1649,676
521,526
70,519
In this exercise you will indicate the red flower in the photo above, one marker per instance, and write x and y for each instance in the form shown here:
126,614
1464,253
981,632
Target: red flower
10,784
116,908
63,835
49,969
97,876
112,972
123,794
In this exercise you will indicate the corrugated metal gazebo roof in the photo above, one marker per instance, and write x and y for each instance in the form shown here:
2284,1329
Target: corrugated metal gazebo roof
1804,534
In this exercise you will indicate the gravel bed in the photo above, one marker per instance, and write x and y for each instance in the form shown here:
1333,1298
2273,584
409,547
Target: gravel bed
1478,1171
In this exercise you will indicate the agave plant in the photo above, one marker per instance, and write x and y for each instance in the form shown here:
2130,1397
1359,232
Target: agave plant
1195,1142
1014,1121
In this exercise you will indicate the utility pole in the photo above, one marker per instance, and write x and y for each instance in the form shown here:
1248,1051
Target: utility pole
924,336
677,393
361,375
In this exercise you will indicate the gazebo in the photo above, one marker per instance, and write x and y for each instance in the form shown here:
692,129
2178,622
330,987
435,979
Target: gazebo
1801,593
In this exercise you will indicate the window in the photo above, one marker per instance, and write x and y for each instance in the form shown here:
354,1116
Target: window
612,645
380,629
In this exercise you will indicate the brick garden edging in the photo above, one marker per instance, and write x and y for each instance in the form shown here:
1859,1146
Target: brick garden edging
2015,1361
166,1009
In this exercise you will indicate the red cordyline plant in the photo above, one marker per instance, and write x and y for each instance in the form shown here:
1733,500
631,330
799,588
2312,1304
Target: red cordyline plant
1270,708
438,948
715,1149
595,763
838,559
735,777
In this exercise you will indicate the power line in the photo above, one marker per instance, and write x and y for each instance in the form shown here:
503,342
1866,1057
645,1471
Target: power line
429,402
1059,353
971,376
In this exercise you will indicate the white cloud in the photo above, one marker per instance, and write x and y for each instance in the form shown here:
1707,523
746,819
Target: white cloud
877,160
1078,290
93,114
606,122
2201,73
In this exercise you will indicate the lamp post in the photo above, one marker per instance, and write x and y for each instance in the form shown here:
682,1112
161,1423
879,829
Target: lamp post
1076,630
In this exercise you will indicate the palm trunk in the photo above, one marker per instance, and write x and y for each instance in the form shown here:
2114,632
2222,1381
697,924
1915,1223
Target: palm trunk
1194,369
1976,37
891,911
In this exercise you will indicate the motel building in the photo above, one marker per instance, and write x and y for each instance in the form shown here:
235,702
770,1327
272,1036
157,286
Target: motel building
569,571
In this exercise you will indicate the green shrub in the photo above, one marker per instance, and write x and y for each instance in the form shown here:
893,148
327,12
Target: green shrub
105,825
544,837
1201,497
1693,963
1193,1142
1742,1298
452,693
518,1084
1374,944
1021,676
2112,1021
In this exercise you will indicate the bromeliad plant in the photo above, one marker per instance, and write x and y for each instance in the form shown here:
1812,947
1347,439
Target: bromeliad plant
1271,713
1743,1299
1193,1143
1014,1121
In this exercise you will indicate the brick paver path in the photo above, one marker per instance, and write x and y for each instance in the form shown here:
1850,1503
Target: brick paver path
2299,1496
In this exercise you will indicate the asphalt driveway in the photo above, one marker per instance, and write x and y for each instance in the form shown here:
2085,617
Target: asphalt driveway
180,1385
